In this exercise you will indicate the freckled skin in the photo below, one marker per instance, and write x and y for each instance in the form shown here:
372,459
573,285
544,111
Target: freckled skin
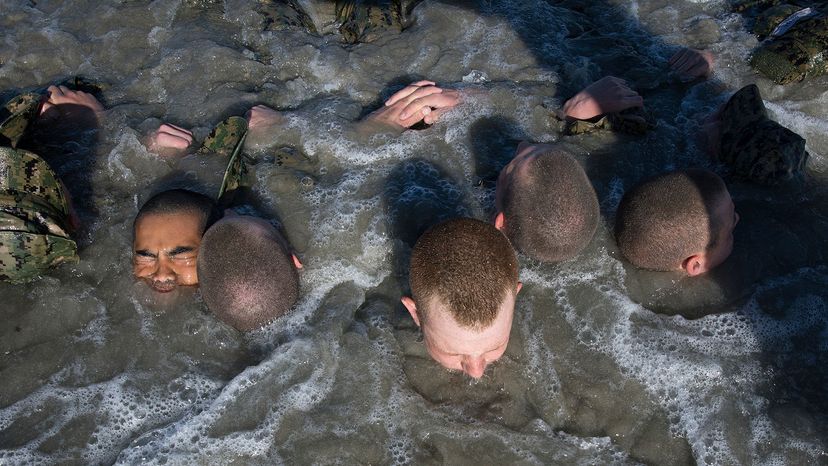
461,348
165,250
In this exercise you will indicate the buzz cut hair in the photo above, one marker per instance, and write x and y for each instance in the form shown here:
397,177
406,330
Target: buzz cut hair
668,218
175,201
551,213
246,275
466,265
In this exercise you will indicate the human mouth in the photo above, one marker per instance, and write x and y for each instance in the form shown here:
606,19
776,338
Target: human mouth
163,287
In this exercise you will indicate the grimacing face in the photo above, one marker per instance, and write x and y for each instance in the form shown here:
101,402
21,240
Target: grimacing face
461,348
165,249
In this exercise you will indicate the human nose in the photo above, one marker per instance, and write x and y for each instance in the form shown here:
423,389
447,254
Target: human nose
164,271
474,366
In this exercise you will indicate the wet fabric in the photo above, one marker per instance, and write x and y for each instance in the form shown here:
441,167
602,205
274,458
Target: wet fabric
226,141
16,116
795,38
356,20
34,213
755,147
795,55
631,121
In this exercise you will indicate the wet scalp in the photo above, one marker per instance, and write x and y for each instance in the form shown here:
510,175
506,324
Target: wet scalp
175,201
551,212
468,266
247,278
666,219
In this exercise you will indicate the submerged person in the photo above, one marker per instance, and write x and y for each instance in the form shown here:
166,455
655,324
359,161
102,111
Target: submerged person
464,282
168,228
545,203
741,134
167,234
678,221
248,275
36,213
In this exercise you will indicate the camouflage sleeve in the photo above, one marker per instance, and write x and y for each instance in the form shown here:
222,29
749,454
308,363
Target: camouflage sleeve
631,121
226,141
34,211
795,55
755,147
16,117
356,20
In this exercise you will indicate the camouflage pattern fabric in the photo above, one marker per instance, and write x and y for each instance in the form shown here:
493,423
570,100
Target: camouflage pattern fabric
631,121
34,212
356,20
227,140
755,147
797,54
16,117
769,19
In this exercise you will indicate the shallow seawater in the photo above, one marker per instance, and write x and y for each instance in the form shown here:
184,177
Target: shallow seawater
607,365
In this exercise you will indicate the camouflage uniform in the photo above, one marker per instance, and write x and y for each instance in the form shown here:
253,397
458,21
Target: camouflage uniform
34,206
227,140
631,121
355,20
755,147
795,38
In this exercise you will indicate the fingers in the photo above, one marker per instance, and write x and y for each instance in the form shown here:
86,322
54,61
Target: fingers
169,136
54,91
435,114
424,101
678,58
262,115
407,91
175,131
170,141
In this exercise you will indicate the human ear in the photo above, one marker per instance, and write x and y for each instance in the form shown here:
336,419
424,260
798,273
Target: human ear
412,308
695,264
500,221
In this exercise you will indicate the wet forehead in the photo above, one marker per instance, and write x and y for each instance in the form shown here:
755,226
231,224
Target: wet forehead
168,231
445,333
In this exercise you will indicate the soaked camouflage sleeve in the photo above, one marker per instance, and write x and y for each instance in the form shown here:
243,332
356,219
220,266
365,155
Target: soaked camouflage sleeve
17,116
769,19
226,141
797,54
356,20
631,121
34,213
755,147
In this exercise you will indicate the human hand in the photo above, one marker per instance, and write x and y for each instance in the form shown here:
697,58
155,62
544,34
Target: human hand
262,115
62,95
420,101
689,64
607,95
169,139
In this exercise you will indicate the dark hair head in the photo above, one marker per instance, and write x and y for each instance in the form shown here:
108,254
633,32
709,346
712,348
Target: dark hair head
180,200
666,219
246,275
466,264
550,208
